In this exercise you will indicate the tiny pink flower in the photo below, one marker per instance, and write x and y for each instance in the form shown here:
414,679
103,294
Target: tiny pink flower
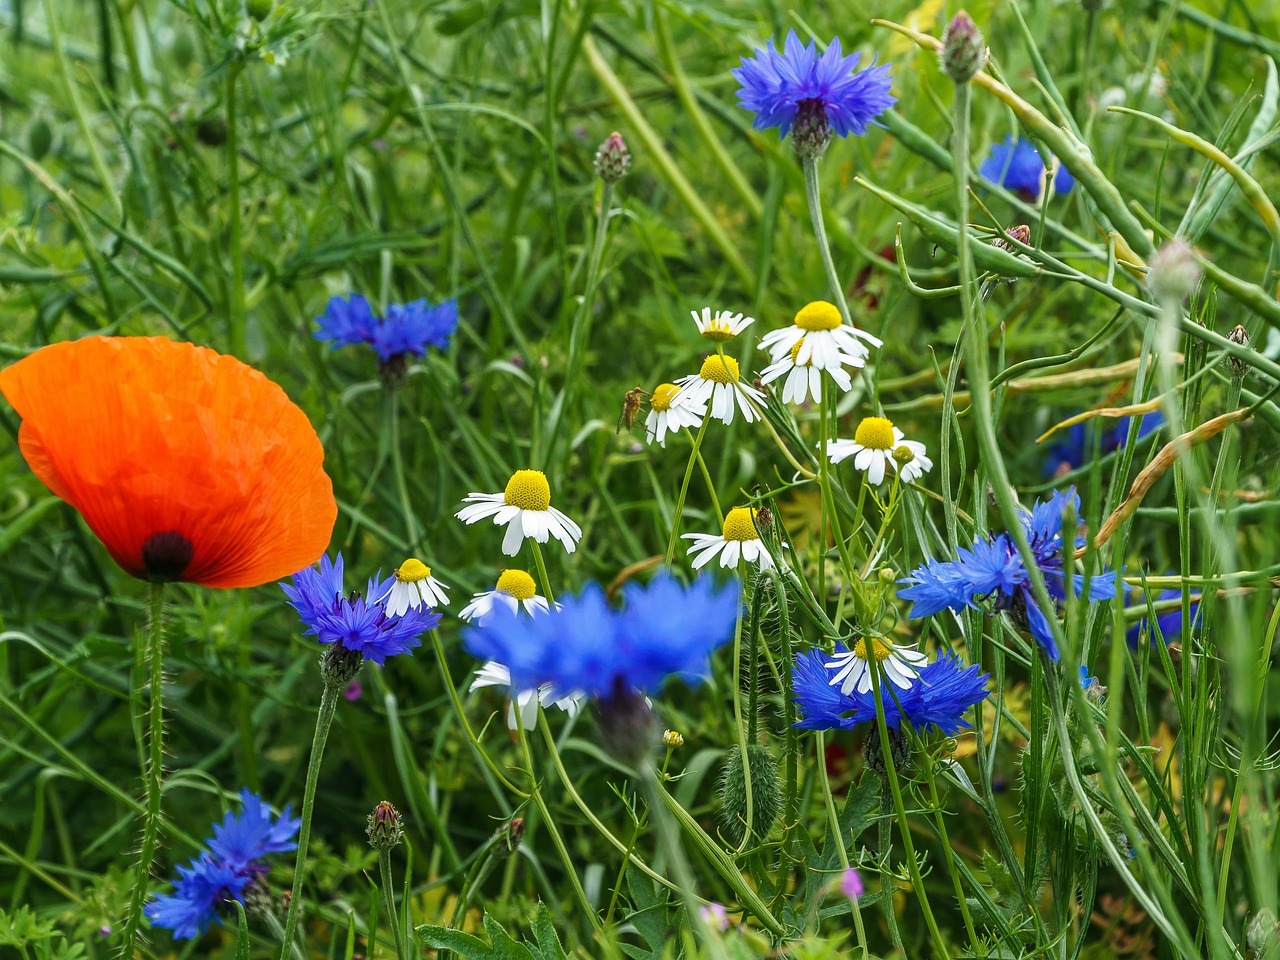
851,884
352,691
714,915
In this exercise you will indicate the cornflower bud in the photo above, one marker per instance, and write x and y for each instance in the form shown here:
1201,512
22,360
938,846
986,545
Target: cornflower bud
507,837
811,131
384,829
338,665
612,159
962,51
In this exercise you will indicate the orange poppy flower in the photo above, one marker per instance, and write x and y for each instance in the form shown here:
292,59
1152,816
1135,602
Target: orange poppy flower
187,464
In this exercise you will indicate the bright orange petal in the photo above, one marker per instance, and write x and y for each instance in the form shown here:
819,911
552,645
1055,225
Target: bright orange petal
147,437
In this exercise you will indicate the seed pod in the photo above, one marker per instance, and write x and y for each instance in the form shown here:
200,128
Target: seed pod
766,794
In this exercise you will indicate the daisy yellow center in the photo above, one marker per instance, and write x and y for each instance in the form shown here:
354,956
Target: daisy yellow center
818,315
739,524
528,490
795,352
412,570
879,650
662,396
874,433
719,369
903,454
516,583
718,329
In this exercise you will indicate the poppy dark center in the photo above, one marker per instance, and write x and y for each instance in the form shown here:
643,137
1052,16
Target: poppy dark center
166,556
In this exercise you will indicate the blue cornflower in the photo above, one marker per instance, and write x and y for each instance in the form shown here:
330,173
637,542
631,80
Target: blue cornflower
777,87
1076,445
1018,167
994,567
407,329
355,623
221,873
589,646
939,696
1169,622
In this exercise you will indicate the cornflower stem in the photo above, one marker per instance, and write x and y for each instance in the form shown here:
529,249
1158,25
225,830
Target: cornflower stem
941,822
324,720
684,488
542,571
397,465
462,717
535,792
669,841
899,808
154,770
837,837
389,894
234,239
580,332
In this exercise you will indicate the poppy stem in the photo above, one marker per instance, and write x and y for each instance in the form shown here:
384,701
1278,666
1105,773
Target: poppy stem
324,720
153,770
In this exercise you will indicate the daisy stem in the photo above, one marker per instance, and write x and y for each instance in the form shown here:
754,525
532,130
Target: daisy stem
711,487
324,720
155,764
235,248
837,835
904,828
542,572
684,489
389,893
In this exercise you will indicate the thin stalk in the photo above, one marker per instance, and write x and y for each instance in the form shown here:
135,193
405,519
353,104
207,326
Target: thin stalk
737,716
837,837
397,466
941,822
155,765
580,331
234,239
389,893
711,487
324,720
542,572
684,488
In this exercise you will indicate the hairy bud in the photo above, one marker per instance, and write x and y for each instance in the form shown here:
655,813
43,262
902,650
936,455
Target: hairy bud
766,793
613,160
962,53
384,829
1239,336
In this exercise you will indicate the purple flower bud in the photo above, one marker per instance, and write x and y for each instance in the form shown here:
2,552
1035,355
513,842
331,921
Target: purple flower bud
612,159
962,53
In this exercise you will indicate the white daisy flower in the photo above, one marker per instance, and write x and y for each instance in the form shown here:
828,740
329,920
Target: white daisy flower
522,706
666,414
413,587
823,337
720,383
877,445
805,378
740,539
899,665
515,589
723,326
525,507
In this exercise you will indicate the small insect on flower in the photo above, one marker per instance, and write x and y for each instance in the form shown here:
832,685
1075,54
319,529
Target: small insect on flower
724,325
188,465
631,402
1017,166
525,508
515,588
878,445
413,586
720,384
805,379
819,338
900,665
670,413
739,540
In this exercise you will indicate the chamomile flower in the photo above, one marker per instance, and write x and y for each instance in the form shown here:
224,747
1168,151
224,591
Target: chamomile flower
805,379
723,326
413,586
525,508
900,665
720,383
824,338
522,706
668,415
875,448
740,539
515,589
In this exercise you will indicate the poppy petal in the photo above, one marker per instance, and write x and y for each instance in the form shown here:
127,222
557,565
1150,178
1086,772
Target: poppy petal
158,443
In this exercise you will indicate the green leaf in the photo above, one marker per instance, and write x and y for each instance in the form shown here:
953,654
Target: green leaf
548,939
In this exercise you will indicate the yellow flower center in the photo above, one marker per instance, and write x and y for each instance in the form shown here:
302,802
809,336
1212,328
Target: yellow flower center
719,369
818,315
528,490
903,455
795,351
879,650
412,570
718,330
874,433
662,396
739,524
516,583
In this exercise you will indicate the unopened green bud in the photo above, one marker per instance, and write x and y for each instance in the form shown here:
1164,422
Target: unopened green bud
259,9
766,793
613,160
39,139
962,53
1263,934
507,837
384,829
338,665
899,751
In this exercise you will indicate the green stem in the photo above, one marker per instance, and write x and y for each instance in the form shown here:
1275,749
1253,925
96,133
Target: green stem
324,720
580,332
389,893
234,240
737,716
837,836
711,487
941,822
684,488
155,765
397,466
542,572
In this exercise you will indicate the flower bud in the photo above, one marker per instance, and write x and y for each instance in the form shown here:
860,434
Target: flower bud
1237,366
811,131
673,739
962,53
612,159
384,830
766,793
1263,934
507,837
259,9
626,725
339,666
899,751
1174,273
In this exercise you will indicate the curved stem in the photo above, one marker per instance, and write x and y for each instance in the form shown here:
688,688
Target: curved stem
389,893
324,720
737,715
837,836
155,765
542,572
684,488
